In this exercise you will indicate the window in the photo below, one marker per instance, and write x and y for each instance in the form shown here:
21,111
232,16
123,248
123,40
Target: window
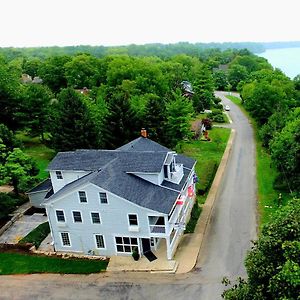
77,217
99,241
58,175
103,198
65,238
133,221
95,218
82,197
125,244
60,216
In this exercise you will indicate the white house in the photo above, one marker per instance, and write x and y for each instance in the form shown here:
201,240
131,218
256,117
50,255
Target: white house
108,202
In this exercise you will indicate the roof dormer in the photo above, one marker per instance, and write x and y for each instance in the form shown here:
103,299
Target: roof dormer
173,171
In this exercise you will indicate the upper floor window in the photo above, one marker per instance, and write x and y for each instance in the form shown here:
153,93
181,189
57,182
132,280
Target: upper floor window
95,218
133,220
103,198
82,197
77,217
60,216
58,174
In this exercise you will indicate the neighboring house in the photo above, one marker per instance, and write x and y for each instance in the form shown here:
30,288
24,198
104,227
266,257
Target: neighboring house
187,89
108,202
25,78
197,129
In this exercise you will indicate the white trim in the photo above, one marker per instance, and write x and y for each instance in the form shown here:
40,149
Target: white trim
95,241
75,190
95,212
146,173
107,202
130,237
86,198
69,236
137,219
80,217
60,222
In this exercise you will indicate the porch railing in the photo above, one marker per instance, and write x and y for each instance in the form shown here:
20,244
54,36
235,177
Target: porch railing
157,229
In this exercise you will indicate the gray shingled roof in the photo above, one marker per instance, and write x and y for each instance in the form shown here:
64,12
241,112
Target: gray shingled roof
143,144
46,185
82,160
110,170
177,187
185,160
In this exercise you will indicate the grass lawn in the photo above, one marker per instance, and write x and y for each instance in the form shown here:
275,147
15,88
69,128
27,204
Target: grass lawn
265,175
37,235
208,156
38,151
15,263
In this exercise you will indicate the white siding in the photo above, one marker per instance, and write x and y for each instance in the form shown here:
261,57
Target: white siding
68,176
153,178
114,221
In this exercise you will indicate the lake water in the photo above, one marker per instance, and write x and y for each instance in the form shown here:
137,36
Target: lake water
286,59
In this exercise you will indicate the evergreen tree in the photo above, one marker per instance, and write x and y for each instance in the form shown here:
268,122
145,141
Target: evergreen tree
121,124
72,125
155,119
179,113
9,93
204,90
34,108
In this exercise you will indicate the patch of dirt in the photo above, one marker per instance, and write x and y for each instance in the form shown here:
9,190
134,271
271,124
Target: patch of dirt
6,188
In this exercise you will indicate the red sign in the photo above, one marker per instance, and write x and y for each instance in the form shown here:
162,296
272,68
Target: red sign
190,191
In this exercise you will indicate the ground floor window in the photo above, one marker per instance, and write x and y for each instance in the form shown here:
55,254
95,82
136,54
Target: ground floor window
125,244
99,241
65,238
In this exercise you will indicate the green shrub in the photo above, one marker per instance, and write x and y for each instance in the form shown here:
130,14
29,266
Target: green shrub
218,118
37,235
195,213
206,180
8,203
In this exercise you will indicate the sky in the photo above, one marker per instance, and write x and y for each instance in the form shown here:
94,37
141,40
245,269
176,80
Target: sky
28,23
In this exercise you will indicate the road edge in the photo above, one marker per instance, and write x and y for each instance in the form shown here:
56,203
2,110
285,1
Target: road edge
188,262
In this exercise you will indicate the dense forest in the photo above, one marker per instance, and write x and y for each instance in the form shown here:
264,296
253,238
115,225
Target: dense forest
97,97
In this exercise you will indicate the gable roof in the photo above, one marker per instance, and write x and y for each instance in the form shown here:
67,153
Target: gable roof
143,144
113,170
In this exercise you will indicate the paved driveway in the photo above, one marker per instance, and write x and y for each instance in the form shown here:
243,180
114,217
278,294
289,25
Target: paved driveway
21,228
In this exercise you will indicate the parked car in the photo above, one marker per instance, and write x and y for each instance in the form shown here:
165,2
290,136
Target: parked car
227,107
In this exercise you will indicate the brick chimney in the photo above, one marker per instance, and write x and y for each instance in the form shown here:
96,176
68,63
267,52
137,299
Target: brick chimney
144,132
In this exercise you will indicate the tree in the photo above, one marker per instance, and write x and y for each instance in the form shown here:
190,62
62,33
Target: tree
274,125
19,170
9,94
155,119
8,138
204,89
220,80
52,71
263,100
273,264
179,114
31,66
72,126
33,112
82,71
285,152
121,122
236,74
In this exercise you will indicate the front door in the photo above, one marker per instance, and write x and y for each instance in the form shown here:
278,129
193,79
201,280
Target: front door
146,245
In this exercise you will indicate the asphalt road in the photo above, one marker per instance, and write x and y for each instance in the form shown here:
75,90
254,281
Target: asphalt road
232,227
